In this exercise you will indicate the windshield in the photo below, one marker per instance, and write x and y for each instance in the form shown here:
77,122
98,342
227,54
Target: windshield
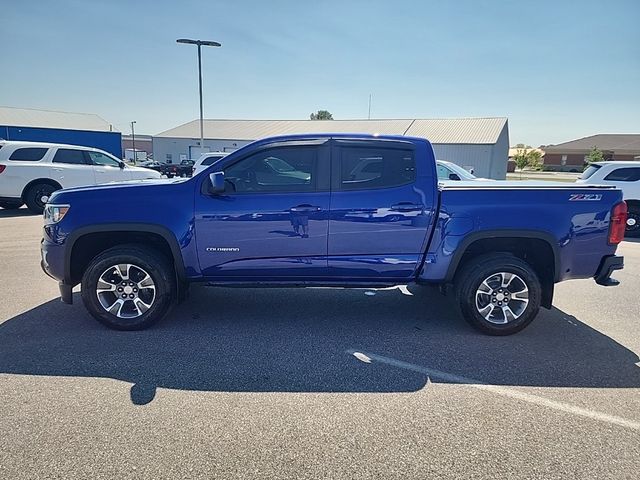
590,171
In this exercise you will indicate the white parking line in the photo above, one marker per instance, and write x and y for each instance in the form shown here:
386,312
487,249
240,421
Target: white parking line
499,390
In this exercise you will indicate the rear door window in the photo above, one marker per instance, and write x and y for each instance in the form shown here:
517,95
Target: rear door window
631,174
370,167
71,156
28,154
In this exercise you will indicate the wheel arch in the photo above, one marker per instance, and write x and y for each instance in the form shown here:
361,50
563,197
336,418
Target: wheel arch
44,180
532,246
85,243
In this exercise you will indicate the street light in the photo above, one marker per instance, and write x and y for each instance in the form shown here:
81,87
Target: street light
199,43
133,140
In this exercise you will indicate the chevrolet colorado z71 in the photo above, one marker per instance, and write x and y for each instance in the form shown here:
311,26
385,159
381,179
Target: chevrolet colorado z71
330,210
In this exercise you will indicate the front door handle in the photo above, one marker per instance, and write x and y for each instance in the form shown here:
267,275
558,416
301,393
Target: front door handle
406,207
305,209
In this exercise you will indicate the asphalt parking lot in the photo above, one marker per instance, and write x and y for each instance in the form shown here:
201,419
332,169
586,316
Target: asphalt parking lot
315,383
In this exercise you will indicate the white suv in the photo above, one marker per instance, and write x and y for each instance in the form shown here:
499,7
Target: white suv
31,171
205,160
625,176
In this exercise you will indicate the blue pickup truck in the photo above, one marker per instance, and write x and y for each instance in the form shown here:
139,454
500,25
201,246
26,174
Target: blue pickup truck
330,210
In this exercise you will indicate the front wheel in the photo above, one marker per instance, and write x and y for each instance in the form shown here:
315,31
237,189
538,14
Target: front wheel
128,287
498,294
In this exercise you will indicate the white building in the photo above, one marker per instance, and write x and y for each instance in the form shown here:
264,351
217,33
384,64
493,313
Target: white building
478,143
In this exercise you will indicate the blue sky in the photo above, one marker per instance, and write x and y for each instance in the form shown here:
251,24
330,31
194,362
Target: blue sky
558,69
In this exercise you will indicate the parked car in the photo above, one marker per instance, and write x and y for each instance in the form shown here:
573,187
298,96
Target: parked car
626,177
30,171
501,246
207,159
448,171
182,169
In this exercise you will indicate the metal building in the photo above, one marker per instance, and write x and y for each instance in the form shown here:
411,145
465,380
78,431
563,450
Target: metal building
84,129
478,143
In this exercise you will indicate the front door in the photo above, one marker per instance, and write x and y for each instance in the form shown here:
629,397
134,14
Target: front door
272,219
107,168
381,207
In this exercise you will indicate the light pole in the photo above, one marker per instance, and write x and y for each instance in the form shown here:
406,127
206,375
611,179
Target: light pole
199,43
133,140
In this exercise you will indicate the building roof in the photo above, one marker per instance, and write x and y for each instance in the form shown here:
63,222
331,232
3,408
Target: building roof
449,130
28,117
616,142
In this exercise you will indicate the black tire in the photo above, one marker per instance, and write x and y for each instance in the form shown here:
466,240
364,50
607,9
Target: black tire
633,231
490,267
143,260
34,196
10,205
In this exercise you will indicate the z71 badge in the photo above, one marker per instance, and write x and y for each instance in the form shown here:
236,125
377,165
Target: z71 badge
585,197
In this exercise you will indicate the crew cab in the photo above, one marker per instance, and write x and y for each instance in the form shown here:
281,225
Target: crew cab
624,175
30,171
311,210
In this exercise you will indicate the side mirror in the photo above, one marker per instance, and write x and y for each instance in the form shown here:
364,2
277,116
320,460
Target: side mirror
217,182
121,165
454,176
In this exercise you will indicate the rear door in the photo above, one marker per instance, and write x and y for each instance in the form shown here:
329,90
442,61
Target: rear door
71,168
381,207
272,220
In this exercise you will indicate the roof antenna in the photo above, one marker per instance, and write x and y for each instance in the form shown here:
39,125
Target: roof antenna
369,116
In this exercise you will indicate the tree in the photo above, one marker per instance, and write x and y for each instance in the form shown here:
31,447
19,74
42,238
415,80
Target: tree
521,159
522,145
595,155
321,115
527,158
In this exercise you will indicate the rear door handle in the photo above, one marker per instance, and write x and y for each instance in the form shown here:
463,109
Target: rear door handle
406,207
305,209
58,169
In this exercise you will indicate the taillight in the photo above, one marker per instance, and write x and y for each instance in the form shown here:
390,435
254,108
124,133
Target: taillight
2,167
618,223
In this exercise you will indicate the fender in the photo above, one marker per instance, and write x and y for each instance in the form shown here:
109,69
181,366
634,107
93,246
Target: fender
503,233
164,232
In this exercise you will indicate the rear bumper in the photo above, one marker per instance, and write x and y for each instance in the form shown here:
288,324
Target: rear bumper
608,265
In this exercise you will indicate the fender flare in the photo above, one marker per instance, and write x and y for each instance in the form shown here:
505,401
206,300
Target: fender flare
160,230
503,233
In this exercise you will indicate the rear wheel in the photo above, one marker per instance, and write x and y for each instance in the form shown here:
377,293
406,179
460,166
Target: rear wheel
498,294
10,205
128,287
633,222
38,195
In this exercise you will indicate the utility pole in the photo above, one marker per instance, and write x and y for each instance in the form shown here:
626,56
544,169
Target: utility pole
133,140
199,43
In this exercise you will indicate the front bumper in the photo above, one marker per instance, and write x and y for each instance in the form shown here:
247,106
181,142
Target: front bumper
52,263
608,265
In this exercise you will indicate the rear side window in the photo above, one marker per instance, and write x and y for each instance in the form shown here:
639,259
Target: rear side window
589,171
624,175
67,155
365,168
28,154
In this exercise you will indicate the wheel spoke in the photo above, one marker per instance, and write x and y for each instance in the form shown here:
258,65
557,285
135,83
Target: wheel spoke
146,282
508,314
104,286
487,289
487,311
116,308
141,307
123,271
506,279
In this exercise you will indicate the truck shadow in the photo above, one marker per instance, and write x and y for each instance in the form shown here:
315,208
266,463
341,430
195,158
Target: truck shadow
302,340
20,212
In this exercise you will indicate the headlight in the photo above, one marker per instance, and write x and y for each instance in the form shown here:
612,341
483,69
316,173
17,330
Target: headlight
54,213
